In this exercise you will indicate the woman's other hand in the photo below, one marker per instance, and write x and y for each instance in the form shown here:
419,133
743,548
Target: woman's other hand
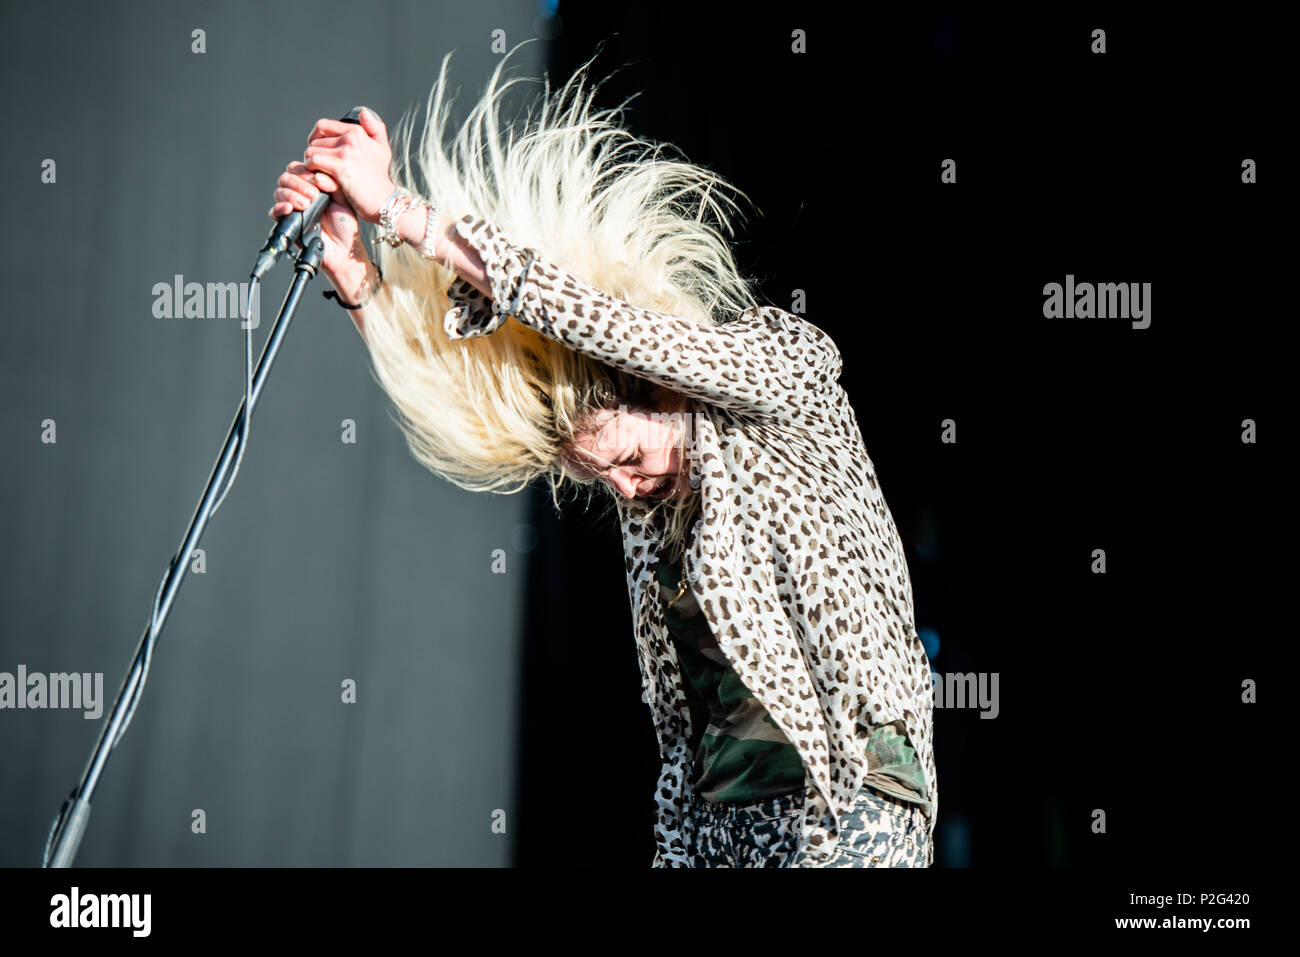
355,159
346,258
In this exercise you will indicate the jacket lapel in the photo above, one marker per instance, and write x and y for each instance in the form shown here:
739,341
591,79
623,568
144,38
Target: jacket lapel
715,565
727,598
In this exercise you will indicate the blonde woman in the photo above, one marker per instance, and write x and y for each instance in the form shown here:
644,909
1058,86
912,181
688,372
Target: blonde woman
557,302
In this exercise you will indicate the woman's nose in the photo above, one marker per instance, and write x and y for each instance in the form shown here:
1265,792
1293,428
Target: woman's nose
625,483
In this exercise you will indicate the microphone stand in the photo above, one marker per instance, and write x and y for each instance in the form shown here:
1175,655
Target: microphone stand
70,826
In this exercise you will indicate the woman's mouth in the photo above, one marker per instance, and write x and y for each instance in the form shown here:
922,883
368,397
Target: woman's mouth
662,490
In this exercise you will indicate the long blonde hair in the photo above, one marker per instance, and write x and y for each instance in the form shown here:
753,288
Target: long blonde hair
493,413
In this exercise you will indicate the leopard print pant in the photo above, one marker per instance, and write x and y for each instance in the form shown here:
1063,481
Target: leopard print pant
879,832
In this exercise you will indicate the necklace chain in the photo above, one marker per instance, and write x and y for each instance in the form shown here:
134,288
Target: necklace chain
681,582
681,585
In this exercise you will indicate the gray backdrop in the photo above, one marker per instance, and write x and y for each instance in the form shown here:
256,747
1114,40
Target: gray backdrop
328,560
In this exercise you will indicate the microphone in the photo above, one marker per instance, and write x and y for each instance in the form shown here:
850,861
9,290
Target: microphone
291,227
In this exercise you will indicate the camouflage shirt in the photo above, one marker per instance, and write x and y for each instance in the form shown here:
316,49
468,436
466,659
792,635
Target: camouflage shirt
741,756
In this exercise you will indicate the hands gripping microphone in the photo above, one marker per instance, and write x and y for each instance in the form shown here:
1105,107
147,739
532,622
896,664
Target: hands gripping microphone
292,227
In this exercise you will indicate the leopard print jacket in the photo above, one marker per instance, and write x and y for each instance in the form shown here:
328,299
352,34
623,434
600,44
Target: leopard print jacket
797,563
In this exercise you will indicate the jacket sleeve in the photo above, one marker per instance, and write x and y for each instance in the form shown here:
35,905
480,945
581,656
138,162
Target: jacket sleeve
766,361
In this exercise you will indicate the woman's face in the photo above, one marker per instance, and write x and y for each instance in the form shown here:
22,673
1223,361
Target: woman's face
636,452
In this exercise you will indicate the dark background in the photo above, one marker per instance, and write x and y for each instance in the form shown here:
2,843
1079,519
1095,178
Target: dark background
1119,692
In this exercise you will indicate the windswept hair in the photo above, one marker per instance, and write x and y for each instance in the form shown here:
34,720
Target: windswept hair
493,413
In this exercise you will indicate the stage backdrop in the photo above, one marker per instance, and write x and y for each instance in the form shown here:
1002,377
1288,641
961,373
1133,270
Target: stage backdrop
141,153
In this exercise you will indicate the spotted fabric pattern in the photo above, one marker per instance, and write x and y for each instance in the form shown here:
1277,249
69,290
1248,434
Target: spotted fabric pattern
877,832
797,562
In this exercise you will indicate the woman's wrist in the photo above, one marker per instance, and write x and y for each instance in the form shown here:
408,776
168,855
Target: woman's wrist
412,224
354,271
357,282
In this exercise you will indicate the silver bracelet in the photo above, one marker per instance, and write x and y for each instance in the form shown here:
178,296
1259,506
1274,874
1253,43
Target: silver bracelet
394,207
426,247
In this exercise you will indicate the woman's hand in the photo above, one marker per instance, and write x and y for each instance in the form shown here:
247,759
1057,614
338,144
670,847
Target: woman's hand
356,160
346,258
